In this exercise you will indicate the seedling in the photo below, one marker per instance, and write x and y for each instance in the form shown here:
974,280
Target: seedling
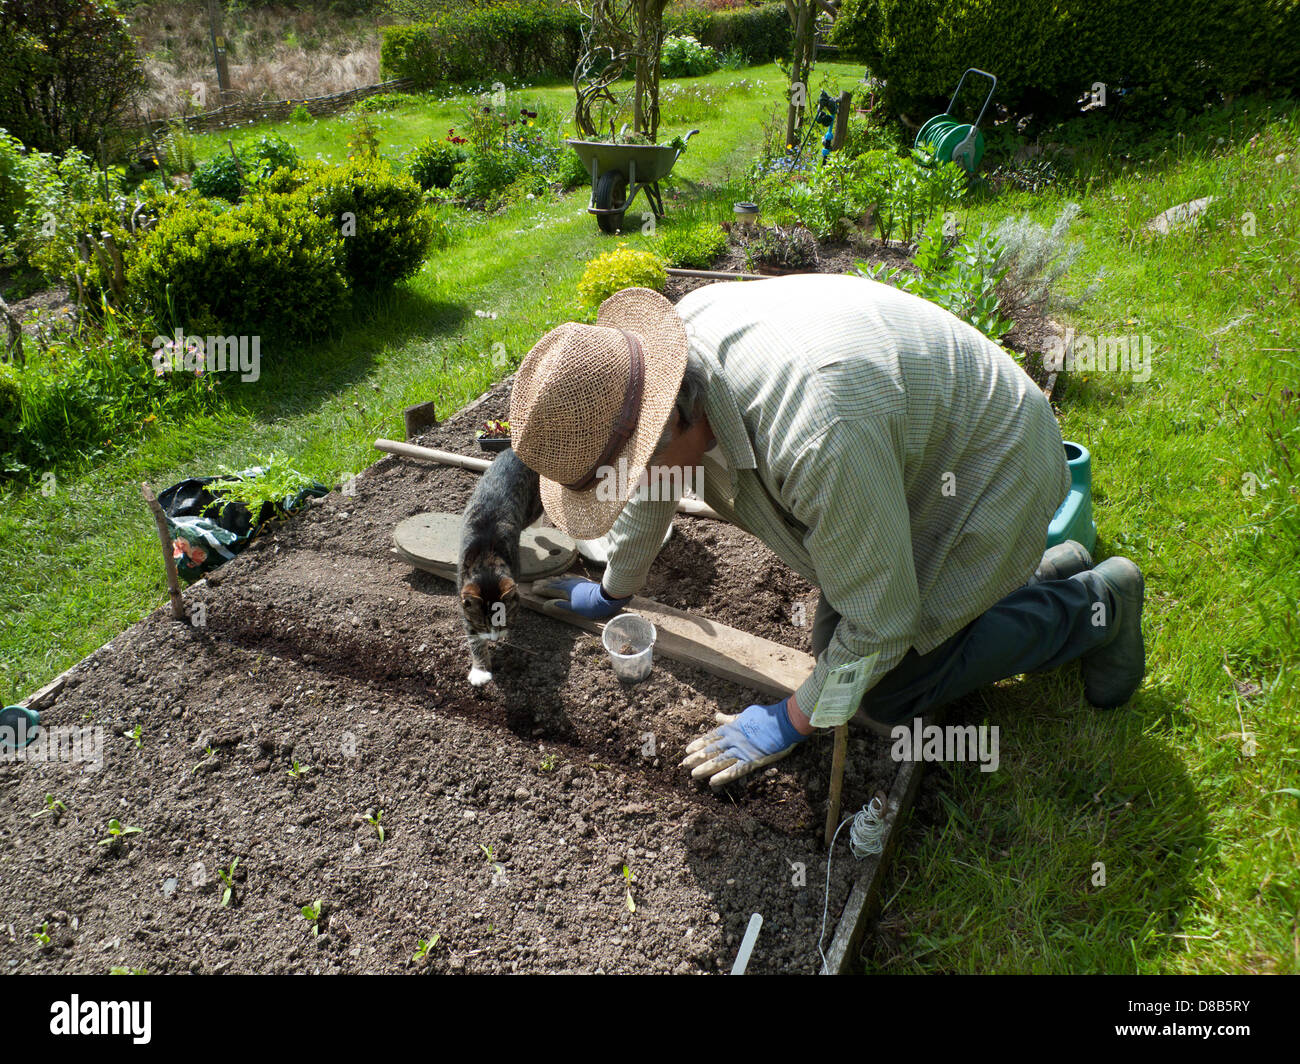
115,829
489,852
227,876
628,877
311,913
137,733
42,936
53,807
298,771
373,821
423,946
493,429
550,763
118,970
208,754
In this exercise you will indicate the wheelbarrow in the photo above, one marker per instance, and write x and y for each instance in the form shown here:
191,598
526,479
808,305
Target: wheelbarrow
620,171
954,141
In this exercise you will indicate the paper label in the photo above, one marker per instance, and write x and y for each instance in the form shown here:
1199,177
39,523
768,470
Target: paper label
842,693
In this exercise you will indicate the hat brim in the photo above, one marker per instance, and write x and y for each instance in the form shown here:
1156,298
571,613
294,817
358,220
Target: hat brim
590,514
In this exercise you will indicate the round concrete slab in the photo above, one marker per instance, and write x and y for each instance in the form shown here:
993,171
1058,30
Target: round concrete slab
432,541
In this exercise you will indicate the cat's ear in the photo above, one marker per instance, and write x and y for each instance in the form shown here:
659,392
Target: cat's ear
471,592
506,586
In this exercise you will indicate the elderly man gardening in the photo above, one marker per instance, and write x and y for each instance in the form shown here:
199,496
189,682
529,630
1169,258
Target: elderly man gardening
882,448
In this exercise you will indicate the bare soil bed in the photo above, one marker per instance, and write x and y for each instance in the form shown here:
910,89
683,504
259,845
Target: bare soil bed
321,647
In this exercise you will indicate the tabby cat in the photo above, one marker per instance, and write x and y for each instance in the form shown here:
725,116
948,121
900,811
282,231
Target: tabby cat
506,500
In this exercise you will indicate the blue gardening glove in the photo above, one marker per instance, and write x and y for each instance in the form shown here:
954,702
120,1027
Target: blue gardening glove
757,737
575,595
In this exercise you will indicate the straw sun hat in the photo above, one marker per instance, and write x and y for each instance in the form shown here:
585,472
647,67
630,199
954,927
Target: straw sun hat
590,403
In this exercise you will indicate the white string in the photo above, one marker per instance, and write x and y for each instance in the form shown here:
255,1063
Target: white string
866,836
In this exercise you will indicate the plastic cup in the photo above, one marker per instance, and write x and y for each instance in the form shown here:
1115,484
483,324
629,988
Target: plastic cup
640,633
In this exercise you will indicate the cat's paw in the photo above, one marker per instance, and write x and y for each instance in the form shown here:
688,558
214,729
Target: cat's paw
478,677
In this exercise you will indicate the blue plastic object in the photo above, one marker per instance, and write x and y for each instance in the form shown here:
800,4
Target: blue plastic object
1073,518
18,727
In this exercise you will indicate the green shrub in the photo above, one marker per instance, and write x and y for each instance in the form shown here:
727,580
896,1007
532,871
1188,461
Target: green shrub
219,176
791,248
760,34
962,278
535,39
433,162
692,246
685,57
386,101
619,269
267,154
516,38
483,176
269,267
67,70
1153,55
86,391
39,195
379,214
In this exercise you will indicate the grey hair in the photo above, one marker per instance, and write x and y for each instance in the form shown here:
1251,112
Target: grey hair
690,398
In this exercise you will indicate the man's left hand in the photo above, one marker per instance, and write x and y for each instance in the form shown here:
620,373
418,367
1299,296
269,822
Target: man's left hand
745,742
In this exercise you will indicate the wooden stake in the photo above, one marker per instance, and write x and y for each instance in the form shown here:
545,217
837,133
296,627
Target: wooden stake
837,781
169,563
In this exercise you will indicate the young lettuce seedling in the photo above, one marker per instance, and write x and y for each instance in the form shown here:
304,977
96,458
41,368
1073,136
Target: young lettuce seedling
311,913
227,876
115,829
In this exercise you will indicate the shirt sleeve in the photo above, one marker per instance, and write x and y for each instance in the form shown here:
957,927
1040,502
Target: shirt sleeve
846,488
635,540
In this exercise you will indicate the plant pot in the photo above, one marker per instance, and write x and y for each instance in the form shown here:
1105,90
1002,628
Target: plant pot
628,628
746,213
495,444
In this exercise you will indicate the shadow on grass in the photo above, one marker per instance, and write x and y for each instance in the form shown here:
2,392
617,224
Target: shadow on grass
298,379
1079,851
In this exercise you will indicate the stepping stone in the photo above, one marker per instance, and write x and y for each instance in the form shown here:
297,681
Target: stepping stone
432,542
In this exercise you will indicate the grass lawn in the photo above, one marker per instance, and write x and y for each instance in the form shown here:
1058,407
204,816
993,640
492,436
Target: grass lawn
1180,799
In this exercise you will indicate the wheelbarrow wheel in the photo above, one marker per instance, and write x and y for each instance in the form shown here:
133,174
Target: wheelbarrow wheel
611,193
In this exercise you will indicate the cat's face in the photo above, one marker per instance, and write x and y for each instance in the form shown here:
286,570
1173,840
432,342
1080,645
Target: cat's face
491,603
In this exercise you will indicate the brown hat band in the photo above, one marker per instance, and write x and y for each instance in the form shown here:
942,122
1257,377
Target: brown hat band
626,422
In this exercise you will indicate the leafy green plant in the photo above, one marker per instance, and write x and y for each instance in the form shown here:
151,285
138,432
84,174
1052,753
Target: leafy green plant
363,140
618,269
311,912
274,483
373,820
220,176
629,877
297,771
300,115
121,970
267,154
137,734
788,247
694,245
685,57
227,877
433,163
550,763
43,934
422,947
963,278
117,831
53,808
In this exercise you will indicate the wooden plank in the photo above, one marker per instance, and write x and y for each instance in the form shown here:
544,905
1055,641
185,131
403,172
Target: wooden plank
479,465
744,659
859,909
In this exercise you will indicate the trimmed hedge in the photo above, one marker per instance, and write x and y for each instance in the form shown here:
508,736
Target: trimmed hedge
518,39
535,38
1152,55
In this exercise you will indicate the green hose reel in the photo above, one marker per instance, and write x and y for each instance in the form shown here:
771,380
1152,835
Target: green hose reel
951,140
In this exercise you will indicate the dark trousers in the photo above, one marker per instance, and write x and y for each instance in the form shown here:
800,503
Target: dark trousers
1035,628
